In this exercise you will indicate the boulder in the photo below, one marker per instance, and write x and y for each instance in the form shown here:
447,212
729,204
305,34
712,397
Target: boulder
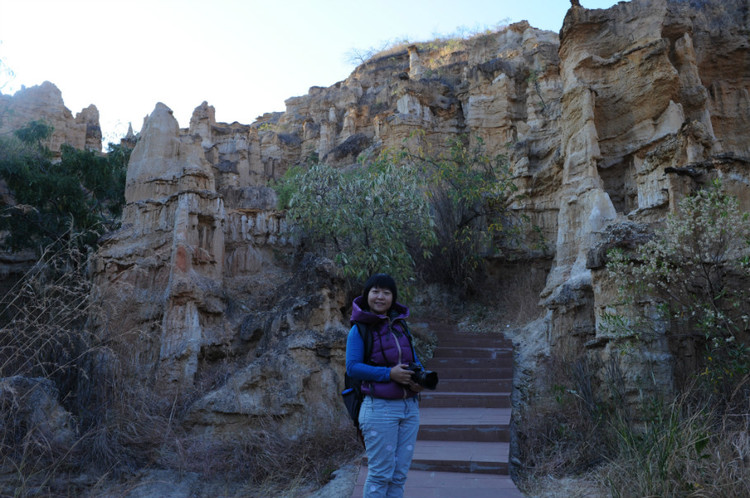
31,412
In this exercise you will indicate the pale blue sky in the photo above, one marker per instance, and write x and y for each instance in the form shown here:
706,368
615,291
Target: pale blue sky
243,57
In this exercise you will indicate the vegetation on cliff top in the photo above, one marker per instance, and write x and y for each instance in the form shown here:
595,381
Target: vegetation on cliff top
82,193
441,47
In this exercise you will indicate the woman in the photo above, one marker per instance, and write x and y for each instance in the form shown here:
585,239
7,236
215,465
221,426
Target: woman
389,416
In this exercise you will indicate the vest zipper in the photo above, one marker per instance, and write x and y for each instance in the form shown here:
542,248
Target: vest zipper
400,355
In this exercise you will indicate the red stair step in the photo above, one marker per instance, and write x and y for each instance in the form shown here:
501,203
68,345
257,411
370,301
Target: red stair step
465,400
474,372
475,385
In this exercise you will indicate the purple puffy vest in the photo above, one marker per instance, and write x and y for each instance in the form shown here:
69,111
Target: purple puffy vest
389,348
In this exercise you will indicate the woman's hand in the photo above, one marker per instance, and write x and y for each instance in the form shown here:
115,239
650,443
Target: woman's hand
401,374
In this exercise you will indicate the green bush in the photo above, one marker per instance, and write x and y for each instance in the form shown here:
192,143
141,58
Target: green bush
367,218
81,194
468,193
696,270
387,215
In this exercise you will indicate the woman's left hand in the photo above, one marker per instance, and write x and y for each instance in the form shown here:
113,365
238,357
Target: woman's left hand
414,386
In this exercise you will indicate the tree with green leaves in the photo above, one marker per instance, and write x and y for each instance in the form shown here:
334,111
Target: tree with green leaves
82,193
697,270
389,214
468,193
368,218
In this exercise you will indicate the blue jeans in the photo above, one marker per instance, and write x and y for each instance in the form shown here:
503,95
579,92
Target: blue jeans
389,427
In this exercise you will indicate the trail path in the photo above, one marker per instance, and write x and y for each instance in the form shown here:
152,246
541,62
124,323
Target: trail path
463,442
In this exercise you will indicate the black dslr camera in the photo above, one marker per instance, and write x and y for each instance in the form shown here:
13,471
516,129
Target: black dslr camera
424,378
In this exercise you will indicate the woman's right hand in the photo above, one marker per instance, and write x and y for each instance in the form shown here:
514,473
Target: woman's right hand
401,374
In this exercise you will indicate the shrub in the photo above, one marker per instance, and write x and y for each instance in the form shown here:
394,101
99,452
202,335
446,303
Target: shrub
80,196
365,218
694,274
697,271
43,336
570,435
386,215
468,193
44,317
684,448
679,446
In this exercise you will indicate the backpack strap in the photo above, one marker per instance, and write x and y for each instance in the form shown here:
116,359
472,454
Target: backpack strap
411,342
366,335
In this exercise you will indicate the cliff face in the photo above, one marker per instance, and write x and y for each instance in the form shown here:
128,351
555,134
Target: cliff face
45,102
645,87
603,123
82,131
198,280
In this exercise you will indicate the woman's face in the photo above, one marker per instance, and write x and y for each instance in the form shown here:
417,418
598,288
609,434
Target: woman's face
379,300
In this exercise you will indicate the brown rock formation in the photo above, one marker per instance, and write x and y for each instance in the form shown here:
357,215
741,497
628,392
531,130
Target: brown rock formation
183,272
609,127
636,109
171,247
45,102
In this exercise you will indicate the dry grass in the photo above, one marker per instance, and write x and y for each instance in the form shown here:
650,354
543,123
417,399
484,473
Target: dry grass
684,449
86,421
589,438
518,293
568,435
264,459
116,430
43,319
434,53
509,298
585,486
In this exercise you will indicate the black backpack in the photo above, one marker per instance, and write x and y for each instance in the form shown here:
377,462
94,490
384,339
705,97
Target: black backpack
352,392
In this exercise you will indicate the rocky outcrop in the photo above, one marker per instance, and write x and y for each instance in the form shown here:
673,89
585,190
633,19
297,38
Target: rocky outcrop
31,412
643,106
185,280
295,358
606,127
45,102
167,260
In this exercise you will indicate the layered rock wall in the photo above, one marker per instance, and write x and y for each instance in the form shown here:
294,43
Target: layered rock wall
45,102
607,126
638,113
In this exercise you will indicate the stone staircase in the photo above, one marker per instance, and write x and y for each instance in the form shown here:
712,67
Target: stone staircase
463,442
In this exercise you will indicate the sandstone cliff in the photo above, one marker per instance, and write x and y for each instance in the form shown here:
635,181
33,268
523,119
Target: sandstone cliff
606,125
45,102
199,278
645,93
